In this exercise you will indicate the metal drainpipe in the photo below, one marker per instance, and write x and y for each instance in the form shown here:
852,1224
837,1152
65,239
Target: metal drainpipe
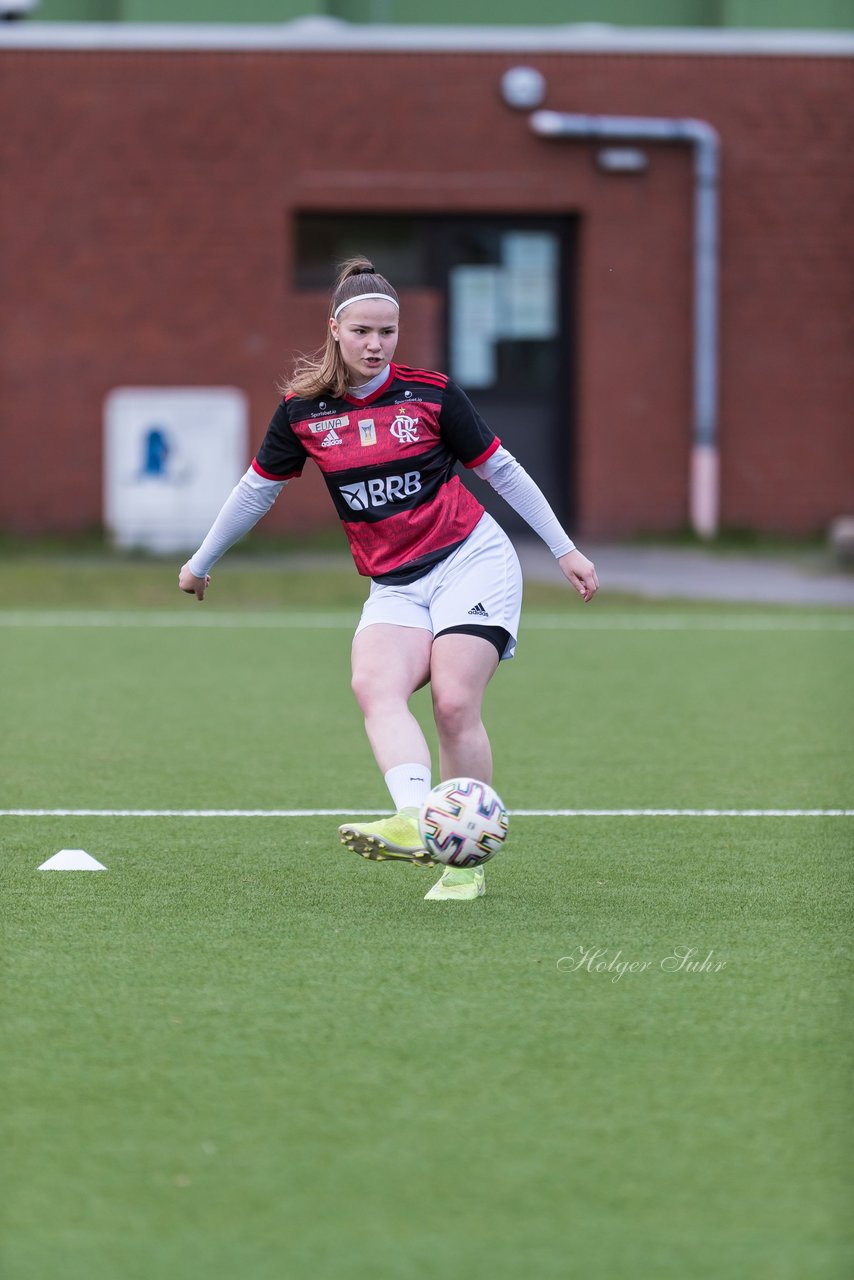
704,482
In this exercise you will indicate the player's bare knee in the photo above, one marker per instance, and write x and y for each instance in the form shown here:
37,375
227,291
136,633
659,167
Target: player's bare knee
374,693
454,712
367,688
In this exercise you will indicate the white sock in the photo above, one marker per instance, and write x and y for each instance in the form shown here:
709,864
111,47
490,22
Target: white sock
408,784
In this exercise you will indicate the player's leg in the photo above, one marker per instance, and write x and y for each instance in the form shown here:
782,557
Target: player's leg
461,666
474,612
475,616
389,663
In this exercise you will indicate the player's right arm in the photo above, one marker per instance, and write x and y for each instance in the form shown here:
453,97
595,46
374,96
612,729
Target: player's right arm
191,583
250,499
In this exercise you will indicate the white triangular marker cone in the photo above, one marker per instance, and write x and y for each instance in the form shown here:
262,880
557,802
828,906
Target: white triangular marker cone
72,860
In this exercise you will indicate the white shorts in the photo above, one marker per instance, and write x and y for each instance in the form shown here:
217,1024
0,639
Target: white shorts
479,584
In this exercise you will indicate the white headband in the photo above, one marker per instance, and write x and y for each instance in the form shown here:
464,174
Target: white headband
360,297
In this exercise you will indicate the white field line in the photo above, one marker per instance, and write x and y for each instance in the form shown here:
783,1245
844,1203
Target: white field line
328,620
348,813
72,618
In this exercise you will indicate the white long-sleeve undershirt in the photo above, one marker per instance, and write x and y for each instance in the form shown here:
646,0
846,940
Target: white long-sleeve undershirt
253,496
510,479
250,499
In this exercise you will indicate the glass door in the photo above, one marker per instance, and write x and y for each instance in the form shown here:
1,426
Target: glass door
508,290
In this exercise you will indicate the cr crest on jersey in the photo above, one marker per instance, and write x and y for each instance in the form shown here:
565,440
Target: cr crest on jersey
405,428
379,491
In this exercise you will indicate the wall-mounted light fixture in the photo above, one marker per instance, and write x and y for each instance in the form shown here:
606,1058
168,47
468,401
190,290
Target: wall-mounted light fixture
523,88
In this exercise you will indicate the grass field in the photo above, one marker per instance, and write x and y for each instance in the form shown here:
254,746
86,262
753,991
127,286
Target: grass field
242,1052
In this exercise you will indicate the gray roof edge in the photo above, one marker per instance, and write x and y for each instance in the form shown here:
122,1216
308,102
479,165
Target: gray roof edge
333,34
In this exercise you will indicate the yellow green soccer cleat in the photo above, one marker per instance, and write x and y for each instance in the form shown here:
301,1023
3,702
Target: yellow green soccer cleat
458,883
394,839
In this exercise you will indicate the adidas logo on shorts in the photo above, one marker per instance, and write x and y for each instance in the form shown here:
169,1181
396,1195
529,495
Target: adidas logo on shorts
478,611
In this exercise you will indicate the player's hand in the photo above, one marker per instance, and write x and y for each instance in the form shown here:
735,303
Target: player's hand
194,586
581,572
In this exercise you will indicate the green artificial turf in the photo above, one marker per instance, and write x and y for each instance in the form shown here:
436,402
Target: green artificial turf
238,1051
241,1051
249,716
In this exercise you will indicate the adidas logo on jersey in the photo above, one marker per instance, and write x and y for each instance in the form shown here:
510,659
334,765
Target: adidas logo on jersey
478,611
332,437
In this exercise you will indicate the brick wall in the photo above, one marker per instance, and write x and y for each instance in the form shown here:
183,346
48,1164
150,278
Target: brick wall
144,241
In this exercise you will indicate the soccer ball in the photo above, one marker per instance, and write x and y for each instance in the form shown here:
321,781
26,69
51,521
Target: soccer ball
463,822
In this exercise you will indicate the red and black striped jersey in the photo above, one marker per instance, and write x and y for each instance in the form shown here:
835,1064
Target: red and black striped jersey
389,463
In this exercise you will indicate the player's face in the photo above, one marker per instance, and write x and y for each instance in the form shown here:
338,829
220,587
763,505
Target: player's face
366,332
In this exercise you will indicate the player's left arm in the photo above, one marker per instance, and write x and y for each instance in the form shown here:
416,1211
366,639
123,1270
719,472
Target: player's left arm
581,572
478,448
509,478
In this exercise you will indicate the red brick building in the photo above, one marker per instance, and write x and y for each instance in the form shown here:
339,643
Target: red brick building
154,199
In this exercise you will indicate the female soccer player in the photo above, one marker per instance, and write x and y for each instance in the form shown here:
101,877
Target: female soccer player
446,587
